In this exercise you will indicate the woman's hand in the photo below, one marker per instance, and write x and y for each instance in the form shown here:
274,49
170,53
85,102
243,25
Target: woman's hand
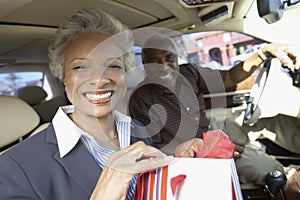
123,165
188,149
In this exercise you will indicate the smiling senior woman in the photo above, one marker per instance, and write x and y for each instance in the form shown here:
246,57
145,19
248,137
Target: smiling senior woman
89,150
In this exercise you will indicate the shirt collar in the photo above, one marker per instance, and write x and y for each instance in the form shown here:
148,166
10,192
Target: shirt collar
68,133
121,117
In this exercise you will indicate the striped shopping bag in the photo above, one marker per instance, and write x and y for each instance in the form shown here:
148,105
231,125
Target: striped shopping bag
191,179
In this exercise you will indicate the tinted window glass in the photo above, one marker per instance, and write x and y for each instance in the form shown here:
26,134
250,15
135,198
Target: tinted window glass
11,82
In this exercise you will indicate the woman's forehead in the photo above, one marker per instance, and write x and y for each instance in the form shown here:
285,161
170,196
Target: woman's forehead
94,45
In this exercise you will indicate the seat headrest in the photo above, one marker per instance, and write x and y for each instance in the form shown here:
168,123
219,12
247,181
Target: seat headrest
47,109
32,94
17,119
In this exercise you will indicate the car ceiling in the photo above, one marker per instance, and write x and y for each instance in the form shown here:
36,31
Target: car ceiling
27,26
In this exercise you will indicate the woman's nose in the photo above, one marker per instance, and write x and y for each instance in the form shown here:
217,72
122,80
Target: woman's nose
100,79
99,83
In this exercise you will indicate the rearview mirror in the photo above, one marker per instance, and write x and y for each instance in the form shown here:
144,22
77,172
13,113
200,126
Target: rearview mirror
292,2
270,10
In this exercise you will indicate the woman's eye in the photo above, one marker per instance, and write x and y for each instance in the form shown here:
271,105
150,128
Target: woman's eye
79,67
115,67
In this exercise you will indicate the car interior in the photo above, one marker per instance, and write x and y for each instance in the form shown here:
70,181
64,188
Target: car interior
27,28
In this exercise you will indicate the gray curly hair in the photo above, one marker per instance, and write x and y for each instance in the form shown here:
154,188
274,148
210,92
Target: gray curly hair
86,20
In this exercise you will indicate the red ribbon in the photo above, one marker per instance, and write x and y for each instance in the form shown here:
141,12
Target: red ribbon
175,181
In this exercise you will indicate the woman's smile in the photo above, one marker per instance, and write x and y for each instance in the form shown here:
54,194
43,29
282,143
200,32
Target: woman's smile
99,97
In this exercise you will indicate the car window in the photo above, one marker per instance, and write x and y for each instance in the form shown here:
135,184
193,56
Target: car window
283,31
219,49
215,50
12,81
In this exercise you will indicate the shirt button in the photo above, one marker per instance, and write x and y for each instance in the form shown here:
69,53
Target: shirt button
188,108
196,118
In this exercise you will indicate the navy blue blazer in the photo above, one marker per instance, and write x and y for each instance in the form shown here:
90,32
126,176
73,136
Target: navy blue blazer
33,169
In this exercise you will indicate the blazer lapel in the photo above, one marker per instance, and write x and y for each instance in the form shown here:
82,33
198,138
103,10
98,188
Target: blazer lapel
81,165
78,163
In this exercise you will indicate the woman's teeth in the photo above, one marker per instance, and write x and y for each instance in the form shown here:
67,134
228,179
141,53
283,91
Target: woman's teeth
97,97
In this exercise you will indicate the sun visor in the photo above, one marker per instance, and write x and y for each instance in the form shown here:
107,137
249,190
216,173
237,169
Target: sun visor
215,14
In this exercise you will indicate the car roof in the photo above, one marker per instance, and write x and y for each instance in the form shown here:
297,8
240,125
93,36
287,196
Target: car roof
173,14
27,27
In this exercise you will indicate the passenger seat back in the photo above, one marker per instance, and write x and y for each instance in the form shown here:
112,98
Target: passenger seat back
33,95
36,97
17,119
48,109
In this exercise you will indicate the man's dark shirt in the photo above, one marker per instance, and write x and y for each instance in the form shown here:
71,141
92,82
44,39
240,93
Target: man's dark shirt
180,113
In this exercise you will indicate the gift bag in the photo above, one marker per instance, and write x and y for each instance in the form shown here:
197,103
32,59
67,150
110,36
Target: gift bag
191,179
211,176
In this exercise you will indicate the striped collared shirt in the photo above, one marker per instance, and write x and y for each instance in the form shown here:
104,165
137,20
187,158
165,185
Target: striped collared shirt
68,134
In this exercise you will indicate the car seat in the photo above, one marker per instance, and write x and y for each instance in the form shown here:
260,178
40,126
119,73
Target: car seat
36,97
17,119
